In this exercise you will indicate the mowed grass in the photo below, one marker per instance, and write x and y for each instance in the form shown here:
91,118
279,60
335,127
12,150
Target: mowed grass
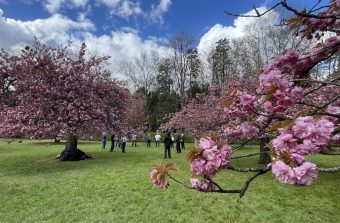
115,187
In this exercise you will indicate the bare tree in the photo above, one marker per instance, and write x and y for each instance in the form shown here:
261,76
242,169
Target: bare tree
141,70
180,44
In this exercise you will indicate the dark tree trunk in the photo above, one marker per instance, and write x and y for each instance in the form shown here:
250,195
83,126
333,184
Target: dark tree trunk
264,157
71,143
71,153
56,139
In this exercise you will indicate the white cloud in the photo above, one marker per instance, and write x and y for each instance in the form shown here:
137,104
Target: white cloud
218,31
156,13
54,6
122,8
57,29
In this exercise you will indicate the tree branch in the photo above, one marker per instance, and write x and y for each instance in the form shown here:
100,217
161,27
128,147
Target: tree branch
289,8
258,15
243,144
180,182
246,185
307,15
250,169
316,81
248,155
329,170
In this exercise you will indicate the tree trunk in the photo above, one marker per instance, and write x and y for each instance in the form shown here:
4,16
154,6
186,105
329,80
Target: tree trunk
57,139
71,143
264,157
71,153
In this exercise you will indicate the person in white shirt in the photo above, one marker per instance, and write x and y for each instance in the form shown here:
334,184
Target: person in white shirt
158,138
134,140
124,139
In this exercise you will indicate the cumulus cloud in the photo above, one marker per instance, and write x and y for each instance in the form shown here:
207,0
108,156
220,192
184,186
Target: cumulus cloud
219,31
54,6
121,8
156,13
57,29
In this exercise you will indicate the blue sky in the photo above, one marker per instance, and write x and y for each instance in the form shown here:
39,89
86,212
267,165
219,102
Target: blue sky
122,28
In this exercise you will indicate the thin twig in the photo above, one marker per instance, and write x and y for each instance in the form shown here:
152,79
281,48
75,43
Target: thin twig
261,14
322,85
180,182
243,144
307,15
246,185
316,81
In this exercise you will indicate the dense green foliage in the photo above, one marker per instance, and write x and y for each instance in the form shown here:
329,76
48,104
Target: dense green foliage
116,187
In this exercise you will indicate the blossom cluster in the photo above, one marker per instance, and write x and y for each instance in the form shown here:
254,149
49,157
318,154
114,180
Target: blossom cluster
314,27
305,136
241,106
155,180
301,175
202,185
245,130
211,159
275,85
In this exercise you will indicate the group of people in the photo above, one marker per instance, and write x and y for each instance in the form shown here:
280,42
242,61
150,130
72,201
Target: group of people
169,142
116,140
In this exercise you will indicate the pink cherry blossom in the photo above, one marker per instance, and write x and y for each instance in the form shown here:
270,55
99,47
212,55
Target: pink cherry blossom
202,186
306,173
155,180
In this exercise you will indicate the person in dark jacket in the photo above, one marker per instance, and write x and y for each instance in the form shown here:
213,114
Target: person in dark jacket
182,141
104,140
167,144
178,143
112,142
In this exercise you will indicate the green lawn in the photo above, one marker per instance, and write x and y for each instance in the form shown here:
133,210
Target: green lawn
115,187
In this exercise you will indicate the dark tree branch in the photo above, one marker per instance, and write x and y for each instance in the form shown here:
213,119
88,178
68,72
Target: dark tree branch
328,114
241,191
307,15
246,185
180,182
316,81
319,87
336,131
243,144
257,15
311,10
284,4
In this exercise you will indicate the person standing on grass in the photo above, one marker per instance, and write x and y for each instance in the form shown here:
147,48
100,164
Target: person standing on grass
104,138
158,138
172,141
123,145
182,141
112,142
117,140
178,143
134,139
148,140
167,144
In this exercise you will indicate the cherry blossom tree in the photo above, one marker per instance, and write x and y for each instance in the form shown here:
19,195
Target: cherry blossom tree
298,114
56,93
